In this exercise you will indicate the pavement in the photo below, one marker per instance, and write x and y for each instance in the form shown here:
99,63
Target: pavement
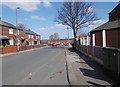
46,66
83,71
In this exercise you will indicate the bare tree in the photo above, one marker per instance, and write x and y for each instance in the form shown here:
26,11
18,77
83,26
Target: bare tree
76,15
54,36
51,37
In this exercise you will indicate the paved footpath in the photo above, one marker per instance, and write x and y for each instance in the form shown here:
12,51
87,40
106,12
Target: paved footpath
83,71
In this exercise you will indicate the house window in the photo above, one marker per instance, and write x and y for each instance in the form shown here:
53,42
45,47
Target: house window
32,36
10,31
11,42
29,43
32,42
37,37
29,36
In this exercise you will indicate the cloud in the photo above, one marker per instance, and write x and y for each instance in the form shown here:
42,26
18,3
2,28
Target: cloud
97,23
56,26
44,29
38,18
60,26
93,25
47,3
90,10
26,5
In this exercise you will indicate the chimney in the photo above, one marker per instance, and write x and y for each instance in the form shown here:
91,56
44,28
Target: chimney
29,29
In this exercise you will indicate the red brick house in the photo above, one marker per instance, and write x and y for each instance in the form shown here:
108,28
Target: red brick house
84,39
32,38
8,37
61,42
9,34
108,34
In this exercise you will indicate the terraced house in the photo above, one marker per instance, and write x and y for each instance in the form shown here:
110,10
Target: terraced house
9,37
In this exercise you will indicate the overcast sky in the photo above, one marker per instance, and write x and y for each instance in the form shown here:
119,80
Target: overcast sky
39,16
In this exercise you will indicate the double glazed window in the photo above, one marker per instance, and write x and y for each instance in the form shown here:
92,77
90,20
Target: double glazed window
29,36
32,36
10,31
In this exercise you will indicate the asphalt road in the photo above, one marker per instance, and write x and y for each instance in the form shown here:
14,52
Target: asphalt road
47,66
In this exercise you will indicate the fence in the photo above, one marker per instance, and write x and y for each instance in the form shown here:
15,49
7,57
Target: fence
8,49
111,60
108,57
12,49
22,48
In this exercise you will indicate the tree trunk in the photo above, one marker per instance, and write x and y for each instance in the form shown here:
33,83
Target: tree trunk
74,33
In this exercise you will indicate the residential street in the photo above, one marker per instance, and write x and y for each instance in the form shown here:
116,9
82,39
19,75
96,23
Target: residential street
47,66
62,43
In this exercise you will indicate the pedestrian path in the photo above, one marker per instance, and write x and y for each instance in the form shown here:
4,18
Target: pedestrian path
83,71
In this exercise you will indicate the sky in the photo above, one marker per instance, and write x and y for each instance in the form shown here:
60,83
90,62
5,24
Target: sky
39,16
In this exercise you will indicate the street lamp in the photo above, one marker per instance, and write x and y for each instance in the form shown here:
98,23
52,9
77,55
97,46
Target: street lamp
17,40
68,32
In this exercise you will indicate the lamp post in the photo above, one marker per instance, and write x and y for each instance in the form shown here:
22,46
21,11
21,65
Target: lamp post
17,40
68,32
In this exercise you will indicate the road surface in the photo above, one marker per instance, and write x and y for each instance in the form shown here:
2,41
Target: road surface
47,66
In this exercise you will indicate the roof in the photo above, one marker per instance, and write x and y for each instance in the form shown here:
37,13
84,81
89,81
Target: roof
108,26
30,32
7,24
11,25
82,35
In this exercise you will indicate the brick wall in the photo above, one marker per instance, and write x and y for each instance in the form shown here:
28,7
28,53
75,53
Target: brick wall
98,38
112,38
119,38
9,49
115,14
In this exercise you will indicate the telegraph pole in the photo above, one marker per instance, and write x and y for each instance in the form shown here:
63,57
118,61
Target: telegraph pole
68,32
